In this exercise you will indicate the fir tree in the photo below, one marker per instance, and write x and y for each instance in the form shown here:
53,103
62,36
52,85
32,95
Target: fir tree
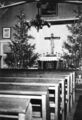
74,44
22,54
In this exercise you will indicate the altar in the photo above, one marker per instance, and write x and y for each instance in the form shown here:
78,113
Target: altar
50,62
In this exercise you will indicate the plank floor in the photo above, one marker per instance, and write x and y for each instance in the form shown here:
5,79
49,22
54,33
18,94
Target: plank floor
76,113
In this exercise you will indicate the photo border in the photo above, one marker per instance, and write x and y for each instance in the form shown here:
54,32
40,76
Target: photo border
6,34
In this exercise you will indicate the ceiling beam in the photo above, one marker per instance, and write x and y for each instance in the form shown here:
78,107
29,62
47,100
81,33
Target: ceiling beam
12,4
63,21
73,1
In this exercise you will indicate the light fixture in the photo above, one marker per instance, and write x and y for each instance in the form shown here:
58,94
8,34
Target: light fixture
38,22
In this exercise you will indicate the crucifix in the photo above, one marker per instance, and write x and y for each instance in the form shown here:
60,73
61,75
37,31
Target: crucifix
52,38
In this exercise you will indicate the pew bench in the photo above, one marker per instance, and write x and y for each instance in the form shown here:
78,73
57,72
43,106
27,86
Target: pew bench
73,80
32,92
40,87
52,83
68,84
15,108
59,75
71,76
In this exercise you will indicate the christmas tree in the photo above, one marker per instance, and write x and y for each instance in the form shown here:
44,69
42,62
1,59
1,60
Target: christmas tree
22,54
74,44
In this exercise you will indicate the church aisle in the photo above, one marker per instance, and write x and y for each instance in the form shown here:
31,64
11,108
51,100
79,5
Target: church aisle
76,113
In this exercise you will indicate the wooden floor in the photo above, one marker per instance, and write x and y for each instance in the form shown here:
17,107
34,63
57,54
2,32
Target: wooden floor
76,113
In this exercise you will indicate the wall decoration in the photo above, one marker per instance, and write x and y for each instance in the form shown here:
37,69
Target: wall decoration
6,33
49,9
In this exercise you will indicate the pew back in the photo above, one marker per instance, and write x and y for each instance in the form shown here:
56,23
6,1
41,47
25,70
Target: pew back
15,108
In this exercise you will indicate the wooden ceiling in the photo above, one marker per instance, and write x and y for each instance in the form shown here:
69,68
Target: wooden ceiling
7,2
10,3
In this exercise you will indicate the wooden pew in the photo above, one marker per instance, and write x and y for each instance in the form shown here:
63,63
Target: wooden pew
37,73
48,74
58,74
51,87
52,76
68,84
51,82
65,78
72,84
15,108
72,75
31,92
74,81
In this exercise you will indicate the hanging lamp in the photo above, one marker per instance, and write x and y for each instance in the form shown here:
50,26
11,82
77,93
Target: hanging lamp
38,22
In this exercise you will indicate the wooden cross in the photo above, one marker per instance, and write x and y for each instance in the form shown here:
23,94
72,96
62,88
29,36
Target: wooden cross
52,42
